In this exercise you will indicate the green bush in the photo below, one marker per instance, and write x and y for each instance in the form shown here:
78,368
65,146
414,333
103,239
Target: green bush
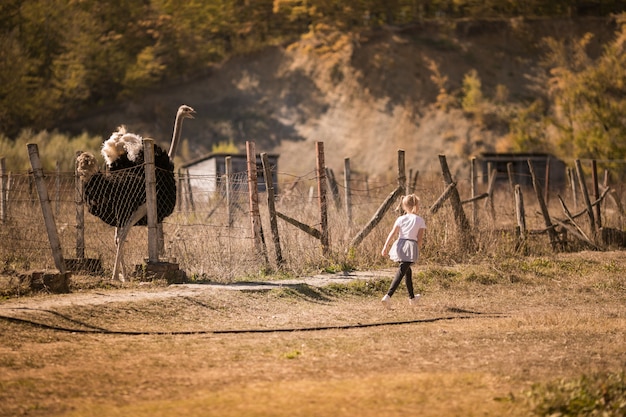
595,395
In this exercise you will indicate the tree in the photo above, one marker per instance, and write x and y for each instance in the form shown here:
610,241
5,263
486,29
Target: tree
589,97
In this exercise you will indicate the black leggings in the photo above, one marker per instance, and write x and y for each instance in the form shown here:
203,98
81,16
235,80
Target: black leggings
403,271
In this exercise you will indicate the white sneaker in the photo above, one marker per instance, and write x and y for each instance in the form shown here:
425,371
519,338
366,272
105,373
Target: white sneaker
386,302
413,301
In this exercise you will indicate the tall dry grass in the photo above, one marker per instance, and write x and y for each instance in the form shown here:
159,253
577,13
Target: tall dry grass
199,238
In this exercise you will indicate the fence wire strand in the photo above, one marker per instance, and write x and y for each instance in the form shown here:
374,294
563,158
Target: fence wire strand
206,219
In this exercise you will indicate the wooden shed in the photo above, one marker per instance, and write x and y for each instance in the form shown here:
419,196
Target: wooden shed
205,173
548,169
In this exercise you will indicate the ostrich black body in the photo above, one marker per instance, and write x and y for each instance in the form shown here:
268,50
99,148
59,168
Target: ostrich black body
114,196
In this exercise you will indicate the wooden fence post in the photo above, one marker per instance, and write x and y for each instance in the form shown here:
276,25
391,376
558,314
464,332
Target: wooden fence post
269,189
511,174
80,211
547,182
334,188
229,189
596,192
544,209
347,191
46,208
520,215
401,172
490,187
57,189
3,191
191,204
571,174
179,190
321,190
462,223
473,192
414,181
151,203
253,193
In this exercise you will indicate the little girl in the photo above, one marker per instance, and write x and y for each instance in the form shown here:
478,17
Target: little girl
410,230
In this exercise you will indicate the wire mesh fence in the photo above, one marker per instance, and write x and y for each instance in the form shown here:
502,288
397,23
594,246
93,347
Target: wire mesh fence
208,232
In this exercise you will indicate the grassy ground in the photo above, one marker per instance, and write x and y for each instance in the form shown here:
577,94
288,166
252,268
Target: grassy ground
482,336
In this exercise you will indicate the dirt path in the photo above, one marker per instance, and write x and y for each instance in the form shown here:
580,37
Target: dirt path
98,297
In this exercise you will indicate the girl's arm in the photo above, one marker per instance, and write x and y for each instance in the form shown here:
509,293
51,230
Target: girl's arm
420,237
393,232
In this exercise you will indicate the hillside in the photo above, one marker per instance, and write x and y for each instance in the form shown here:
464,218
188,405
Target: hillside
364,96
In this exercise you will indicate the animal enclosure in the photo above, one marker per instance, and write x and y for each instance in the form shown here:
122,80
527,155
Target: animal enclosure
211,237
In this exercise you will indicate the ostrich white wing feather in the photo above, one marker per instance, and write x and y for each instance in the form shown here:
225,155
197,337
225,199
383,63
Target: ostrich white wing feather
133,145
121,142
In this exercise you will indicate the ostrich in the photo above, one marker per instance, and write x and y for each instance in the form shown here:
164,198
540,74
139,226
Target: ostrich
118,197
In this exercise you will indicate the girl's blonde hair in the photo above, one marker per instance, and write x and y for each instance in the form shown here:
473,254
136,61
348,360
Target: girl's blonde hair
409,203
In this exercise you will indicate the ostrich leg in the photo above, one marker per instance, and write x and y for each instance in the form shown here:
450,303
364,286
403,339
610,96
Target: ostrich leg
122,277
123,234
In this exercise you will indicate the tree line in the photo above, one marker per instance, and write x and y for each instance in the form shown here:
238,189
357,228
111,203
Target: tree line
60,57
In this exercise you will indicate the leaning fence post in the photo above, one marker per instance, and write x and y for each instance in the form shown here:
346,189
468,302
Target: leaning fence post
378,216
321,189
463,225
583,188
46,208
544,209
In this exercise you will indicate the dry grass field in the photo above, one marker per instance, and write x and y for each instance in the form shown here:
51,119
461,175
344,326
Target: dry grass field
482,337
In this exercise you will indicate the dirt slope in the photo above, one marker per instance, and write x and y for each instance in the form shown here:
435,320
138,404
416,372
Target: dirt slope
364,96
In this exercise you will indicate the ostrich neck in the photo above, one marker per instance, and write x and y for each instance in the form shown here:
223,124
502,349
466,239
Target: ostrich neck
178,126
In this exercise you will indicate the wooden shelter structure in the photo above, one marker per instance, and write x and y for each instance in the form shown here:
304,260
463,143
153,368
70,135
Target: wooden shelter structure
211,168
549,170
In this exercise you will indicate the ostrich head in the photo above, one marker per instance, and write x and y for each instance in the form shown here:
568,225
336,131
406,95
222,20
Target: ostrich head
119,143
86,165
185,112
